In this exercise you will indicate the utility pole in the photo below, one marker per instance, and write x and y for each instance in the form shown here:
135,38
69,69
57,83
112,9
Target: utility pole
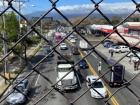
4,43
20,3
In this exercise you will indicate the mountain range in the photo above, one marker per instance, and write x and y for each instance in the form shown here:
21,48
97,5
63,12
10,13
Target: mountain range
72,15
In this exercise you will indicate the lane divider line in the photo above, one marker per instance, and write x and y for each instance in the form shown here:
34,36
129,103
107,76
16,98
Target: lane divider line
114,101
37,80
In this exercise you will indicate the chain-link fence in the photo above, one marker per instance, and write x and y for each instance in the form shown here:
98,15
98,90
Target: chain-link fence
32,68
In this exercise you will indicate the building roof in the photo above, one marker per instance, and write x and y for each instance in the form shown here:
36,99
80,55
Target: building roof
132,23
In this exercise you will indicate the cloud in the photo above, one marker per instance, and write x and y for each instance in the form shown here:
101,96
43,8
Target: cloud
115,8
15,4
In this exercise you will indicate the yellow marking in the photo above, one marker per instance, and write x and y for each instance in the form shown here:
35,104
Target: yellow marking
114,101
69,42
90,67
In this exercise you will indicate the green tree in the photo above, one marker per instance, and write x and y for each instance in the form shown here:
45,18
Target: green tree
12,26
115,20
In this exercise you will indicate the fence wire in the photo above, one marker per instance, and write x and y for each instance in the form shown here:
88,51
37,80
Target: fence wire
34,67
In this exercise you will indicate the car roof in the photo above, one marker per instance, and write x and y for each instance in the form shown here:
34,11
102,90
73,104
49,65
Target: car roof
83,60
63,43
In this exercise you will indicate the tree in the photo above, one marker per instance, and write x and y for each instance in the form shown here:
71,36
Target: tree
115,20
12,27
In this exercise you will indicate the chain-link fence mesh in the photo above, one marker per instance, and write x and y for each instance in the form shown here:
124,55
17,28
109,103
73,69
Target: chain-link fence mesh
34,64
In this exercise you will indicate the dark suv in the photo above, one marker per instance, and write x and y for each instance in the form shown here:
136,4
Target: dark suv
83,64
75,51
48,49
20,90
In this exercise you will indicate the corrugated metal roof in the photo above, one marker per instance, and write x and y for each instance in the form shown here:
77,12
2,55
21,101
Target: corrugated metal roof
132,24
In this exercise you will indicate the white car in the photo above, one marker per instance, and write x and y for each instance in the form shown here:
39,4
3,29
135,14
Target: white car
111,48
131,54
72,40
121,48
135,59
101,91
63,46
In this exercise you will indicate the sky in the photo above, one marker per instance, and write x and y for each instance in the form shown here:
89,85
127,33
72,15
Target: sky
74,6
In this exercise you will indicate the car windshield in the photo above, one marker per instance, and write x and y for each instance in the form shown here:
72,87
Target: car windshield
113,46
97,85
116,47
83,61
19,89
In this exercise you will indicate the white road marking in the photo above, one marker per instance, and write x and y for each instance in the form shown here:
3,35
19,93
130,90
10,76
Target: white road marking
37,79
94,56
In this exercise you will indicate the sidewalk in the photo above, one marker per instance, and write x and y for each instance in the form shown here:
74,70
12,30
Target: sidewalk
30,53
129,66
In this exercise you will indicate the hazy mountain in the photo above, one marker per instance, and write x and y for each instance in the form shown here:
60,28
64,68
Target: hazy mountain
72,15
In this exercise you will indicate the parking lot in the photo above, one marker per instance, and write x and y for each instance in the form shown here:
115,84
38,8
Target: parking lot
129,66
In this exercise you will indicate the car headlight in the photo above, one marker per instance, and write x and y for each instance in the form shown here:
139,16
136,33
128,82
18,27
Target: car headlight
74,80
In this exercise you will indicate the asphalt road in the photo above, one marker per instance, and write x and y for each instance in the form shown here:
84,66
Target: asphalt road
42,86
126,96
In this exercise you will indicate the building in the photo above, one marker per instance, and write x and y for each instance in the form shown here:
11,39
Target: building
133,28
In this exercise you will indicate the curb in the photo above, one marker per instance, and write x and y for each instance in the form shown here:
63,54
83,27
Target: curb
2,83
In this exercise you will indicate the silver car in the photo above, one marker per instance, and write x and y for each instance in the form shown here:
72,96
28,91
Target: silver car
17,97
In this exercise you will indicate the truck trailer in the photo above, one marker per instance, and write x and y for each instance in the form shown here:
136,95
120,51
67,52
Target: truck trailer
116,75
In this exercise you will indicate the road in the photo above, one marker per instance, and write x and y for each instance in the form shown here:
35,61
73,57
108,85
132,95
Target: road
40,86
131,93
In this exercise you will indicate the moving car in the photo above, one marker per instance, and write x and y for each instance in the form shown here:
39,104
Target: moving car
18,96
75,51
73,40
63,46
98,89
48,49
83,64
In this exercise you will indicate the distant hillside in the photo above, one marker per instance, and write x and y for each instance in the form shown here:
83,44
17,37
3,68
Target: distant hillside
68,15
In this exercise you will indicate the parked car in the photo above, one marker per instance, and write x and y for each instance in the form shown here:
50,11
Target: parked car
107,44
99,86
135,59
18,96
121,49
83,64
63,46
111,47
131,54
